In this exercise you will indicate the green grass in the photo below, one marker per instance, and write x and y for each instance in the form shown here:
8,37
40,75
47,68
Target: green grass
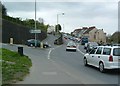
14,66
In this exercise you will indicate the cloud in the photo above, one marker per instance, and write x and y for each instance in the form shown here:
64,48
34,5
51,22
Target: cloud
77,14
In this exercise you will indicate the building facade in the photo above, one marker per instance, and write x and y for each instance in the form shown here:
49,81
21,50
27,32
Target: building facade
93,34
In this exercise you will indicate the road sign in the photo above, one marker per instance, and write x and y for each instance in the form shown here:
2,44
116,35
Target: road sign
35,31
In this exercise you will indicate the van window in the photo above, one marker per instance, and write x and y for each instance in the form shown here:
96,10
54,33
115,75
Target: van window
106,51
99,50
116,51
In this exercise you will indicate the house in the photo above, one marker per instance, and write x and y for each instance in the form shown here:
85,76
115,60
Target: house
79,32
93,34
50,29
90,33
76,32
100,36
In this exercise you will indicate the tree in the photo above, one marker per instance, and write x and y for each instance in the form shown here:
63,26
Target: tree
4,10
115,38
108,38
58,28
41,20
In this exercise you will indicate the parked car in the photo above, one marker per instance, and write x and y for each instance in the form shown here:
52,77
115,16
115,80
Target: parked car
71,46
104,57
90,46
31,43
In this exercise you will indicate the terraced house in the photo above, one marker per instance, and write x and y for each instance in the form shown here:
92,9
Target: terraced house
93,34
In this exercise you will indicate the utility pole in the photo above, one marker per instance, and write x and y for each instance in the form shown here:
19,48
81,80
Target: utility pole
35,24
58,19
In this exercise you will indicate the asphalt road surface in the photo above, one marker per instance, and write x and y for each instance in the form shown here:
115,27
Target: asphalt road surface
57,66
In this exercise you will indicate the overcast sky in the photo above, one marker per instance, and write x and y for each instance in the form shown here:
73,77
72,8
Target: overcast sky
103,15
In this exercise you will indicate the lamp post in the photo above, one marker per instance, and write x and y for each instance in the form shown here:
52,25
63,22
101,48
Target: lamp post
35,23
63,27
58,16
58,19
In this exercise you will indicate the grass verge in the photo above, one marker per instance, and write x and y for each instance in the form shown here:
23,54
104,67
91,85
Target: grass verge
14,66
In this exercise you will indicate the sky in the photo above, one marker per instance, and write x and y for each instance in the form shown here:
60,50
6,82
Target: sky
77,13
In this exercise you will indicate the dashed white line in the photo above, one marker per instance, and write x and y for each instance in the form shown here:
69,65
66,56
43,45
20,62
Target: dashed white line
49,73
65,71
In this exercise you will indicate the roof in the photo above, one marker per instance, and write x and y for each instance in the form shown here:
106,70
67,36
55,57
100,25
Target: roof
77,30
110,46
89,29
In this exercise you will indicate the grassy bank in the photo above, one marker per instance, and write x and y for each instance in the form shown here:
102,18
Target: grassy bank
14,66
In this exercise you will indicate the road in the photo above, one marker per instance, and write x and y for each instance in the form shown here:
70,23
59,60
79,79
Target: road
56,66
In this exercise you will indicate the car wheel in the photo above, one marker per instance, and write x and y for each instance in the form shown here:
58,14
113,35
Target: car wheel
31,45
45,46
85,62
101,67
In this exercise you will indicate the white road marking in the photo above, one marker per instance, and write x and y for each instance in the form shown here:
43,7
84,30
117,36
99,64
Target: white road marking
80,50
58,66
50,52
51,49
65,71
49,73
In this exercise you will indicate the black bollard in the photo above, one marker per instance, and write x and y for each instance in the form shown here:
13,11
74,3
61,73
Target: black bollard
20,50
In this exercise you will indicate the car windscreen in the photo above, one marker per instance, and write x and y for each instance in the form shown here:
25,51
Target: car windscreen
84,39
71,44
116,51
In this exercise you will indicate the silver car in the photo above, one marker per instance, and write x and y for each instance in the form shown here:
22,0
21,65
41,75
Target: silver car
71,46
104,57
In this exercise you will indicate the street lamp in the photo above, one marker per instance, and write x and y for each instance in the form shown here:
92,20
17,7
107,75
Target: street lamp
35,23
63,27
58,19
58,16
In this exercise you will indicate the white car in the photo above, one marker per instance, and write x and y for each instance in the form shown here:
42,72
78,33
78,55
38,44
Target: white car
71,46
104,57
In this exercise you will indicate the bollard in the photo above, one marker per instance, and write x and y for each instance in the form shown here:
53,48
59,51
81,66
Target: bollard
20,50
41,45
11,40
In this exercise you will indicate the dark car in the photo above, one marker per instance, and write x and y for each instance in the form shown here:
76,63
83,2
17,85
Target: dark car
90,46
31,42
